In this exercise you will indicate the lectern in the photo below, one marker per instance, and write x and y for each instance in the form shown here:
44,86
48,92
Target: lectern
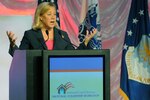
60,75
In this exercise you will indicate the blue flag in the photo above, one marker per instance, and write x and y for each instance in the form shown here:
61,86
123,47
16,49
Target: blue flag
91,21
135,66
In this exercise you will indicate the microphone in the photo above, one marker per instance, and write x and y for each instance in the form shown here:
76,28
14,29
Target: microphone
66,40
43,42
47,32
47,35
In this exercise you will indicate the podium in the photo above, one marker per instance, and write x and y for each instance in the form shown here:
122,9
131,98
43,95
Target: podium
29,72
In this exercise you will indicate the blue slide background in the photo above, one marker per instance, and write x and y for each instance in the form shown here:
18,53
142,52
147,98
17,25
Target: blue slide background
83,85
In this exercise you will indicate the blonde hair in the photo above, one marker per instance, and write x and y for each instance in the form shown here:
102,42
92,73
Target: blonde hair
41,9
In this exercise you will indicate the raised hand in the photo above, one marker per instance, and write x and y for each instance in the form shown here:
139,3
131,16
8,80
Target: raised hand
12,38
89,36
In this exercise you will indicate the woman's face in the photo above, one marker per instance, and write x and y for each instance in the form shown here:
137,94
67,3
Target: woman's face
49,18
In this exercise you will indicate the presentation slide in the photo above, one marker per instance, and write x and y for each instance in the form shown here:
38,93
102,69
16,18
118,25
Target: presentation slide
76,78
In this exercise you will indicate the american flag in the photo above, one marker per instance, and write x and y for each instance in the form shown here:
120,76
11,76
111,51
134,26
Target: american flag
57,12
135,66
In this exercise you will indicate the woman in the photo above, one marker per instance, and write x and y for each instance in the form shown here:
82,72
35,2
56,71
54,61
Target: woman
44,34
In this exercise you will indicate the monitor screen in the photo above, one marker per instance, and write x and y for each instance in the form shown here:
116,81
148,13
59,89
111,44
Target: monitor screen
76,77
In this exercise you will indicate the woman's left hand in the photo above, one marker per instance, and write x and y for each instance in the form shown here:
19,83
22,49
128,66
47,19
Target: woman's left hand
89,36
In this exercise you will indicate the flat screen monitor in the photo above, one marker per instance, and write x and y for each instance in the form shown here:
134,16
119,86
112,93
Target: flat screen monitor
76,75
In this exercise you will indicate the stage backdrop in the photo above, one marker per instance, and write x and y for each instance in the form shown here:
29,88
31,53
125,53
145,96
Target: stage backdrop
16,16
